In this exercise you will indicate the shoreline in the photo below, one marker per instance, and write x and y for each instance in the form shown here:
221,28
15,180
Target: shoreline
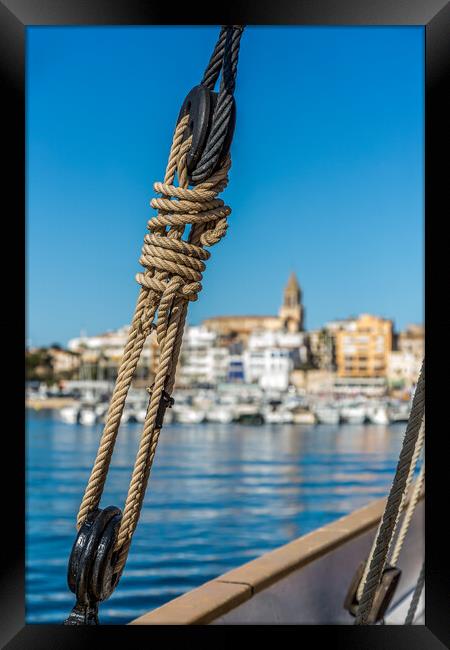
50,403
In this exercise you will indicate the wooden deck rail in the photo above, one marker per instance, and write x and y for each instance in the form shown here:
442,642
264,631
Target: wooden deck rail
227,592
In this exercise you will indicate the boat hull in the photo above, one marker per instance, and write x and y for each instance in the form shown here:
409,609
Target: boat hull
327,416
303,582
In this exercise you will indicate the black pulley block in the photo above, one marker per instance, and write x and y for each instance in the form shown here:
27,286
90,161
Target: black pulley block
383,595
198,105
91,573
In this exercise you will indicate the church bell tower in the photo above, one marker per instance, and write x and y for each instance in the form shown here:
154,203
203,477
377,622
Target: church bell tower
291,312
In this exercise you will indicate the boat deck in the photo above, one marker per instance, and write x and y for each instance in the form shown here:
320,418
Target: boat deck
303,582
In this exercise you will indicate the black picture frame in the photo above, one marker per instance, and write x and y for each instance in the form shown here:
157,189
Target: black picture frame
15,16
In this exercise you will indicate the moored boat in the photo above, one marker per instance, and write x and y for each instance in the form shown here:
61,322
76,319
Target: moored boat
186,414
303,416
354,413
276,413
377,414
249,413
69,414
327,414
87,415
221,414
399,411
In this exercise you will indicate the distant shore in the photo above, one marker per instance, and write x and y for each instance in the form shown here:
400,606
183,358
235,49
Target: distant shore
49,403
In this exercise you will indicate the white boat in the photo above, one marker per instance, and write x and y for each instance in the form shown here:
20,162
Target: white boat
377,414
354,413
277,415
129,414
303,416
220,413
295,402
399,412
101,410
87,416
140,414
327,414
69,414
187,415
249,413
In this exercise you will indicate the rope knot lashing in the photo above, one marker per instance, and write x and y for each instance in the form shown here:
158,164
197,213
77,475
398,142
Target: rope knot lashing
173,268
165,256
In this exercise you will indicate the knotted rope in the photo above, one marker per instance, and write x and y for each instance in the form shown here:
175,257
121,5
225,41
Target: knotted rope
172,278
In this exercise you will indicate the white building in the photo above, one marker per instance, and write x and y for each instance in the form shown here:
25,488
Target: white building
108,348
111,343
294,342
338,324
201,360
270,367
412,340
403,368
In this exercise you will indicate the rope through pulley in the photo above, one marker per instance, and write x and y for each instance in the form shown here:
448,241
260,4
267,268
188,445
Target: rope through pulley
196,173
374,584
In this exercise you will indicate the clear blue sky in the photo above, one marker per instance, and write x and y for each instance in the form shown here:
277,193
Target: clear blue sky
327,175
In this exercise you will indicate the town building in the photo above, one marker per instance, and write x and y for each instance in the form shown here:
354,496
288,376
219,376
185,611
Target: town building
271,357
412,340
403,369
202,361
296,343
322,349
47,364
236,369
100,355
269,367
406,360
291,312
290,318
65,363
363,346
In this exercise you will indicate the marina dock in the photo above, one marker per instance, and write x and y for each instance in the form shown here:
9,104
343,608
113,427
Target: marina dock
49,403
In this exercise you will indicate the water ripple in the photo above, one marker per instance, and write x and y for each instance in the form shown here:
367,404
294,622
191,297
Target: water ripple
218,497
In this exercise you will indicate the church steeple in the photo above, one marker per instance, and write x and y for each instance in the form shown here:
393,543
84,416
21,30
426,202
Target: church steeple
291,312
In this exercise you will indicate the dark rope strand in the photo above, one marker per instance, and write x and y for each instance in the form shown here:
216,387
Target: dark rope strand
223,109
416,597
215,63
393,502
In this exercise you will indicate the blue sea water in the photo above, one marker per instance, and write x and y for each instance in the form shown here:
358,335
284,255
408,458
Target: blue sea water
219,496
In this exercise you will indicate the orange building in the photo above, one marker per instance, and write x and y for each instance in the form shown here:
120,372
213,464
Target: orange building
363,346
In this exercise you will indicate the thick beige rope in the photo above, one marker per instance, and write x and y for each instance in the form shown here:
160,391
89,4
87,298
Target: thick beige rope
172,278
408,516
140,328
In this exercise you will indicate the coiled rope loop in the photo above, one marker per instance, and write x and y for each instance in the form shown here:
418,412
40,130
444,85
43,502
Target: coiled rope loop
178,208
